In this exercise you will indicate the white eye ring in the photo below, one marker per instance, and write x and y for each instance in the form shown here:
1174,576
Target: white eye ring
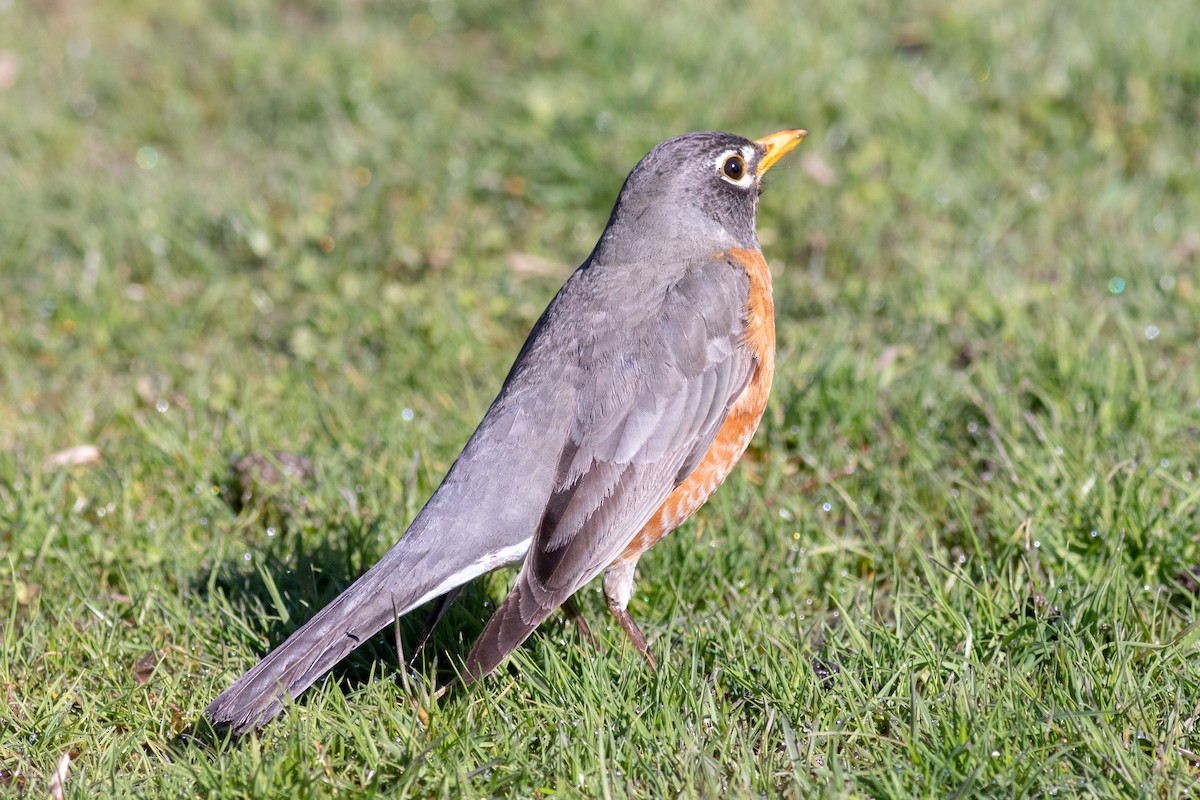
733,167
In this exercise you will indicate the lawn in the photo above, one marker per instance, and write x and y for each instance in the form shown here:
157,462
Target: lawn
957,560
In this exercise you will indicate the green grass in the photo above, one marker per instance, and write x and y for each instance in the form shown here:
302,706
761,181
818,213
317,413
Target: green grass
947,567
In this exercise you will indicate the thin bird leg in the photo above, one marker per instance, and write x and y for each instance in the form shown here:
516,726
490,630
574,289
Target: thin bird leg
635,635
436,612
575,617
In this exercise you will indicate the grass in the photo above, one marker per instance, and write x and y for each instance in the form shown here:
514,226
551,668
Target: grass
949,565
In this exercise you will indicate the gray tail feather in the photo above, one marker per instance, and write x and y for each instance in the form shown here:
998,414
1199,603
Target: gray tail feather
513,622
389,589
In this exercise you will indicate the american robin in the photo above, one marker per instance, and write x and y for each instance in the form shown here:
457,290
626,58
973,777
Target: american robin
635,394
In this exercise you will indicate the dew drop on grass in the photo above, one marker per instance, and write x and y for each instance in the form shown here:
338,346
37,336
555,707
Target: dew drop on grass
147,157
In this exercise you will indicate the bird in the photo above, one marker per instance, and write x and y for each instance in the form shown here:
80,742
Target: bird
635,394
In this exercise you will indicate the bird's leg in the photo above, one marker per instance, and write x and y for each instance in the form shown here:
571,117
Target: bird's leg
436,612
635,635
618,588
576,618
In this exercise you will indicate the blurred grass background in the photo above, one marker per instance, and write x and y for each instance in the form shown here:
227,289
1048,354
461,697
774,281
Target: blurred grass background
954,563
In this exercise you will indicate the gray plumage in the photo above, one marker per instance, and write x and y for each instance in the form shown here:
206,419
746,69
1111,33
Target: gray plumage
612,402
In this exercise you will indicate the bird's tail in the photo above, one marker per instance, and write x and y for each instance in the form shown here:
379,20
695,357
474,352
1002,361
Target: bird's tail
407,576
481,517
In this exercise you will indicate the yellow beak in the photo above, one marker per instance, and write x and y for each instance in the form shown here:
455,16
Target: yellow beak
778,145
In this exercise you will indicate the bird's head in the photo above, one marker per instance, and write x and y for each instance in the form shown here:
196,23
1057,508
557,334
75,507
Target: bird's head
698,187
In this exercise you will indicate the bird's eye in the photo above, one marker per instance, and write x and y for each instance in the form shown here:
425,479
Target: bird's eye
734,168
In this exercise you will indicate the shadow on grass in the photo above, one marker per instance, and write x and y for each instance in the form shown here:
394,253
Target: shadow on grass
292,578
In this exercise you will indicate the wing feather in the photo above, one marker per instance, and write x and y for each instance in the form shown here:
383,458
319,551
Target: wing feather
651,396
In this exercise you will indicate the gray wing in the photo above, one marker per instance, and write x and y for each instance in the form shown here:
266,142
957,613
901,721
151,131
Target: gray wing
652,395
